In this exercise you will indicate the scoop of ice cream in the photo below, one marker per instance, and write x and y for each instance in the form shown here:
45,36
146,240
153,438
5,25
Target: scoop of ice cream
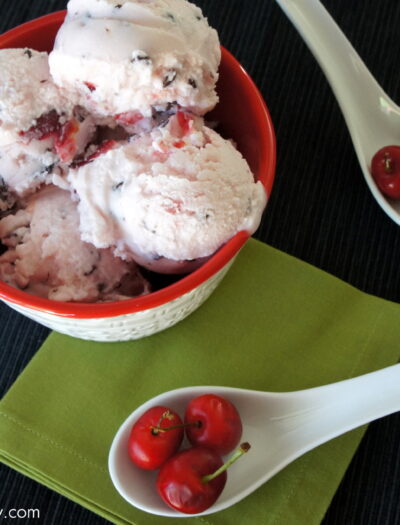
136,55
46,256
26,92
177,193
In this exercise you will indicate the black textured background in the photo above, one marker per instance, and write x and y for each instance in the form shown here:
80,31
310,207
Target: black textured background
320,211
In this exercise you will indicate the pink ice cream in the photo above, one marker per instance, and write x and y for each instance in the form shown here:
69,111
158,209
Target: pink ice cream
40,127
136,56
105,160
177,193
46,256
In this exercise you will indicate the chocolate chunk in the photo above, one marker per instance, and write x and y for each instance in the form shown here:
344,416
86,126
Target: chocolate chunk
80,113
92,270
7,199
192,83
171,106
169,78
141,57
3,187
161,114
118,6
28,53
48,169
161,110
117,186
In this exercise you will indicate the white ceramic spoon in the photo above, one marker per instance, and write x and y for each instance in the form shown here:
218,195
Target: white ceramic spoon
279,426
372,118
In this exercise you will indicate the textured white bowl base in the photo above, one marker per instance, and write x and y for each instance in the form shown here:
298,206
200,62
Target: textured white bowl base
129,326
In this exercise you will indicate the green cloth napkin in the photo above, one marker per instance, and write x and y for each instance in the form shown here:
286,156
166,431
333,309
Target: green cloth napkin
275,323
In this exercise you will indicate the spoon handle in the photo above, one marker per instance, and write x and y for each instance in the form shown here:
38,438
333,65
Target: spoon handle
361,99
334,409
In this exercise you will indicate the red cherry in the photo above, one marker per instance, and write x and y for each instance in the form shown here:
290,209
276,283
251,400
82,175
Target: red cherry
91,87
47,125
192,480
105,146
65,143
154,437
215,423
385,170
180,480
184,121
129,118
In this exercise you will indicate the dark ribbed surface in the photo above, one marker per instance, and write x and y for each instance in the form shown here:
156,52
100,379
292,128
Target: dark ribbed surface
320,211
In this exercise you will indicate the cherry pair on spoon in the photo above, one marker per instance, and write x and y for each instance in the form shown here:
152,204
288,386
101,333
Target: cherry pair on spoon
192,480
280,427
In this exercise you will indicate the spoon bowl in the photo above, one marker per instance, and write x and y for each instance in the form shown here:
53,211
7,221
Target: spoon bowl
373,119
279,426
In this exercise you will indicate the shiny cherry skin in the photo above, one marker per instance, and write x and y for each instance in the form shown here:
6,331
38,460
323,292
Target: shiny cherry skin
150,444
215,423
385,170
180,480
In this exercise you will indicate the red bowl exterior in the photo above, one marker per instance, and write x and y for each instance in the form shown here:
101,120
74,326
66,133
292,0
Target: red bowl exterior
249,124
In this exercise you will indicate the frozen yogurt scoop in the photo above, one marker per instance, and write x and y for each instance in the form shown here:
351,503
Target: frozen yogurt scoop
135,57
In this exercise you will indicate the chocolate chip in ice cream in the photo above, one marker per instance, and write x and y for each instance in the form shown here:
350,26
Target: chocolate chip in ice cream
91,271
117,186
7,199
169,78
141,57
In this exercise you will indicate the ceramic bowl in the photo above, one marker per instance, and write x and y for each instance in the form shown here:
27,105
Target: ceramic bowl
243,117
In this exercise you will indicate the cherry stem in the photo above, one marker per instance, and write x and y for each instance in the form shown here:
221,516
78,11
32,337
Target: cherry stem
244,447
388,163
168,415
157,430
